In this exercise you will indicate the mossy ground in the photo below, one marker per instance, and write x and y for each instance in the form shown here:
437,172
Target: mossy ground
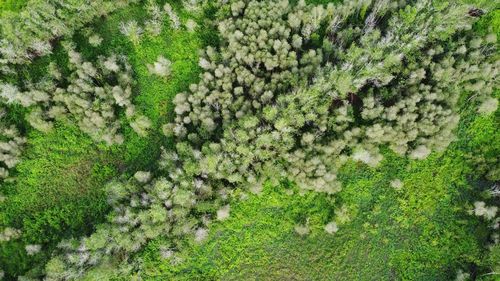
421,232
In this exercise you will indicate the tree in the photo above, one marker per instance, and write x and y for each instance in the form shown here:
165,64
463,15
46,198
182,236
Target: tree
132,30
162,67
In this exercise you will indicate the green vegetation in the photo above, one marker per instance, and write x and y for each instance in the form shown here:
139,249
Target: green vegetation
59,191
420,232
11,5
403,219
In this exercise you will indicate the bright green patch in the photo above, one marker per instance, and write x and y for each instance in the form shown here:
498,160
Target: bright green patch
58,193
11,5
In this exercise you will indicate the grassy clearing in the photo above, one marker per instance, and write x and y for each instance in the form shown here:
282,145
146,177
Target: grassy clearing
58,192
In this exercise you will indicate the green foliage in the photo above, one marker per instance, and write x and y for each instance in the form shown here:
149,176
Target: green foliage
420,232
289,94
484,146
492,263
58,192
11,5
29,34
223,140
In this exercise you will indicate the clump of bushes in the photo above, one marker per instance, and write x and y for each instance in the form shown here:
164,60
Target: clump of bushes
91,96
11,147
153,26
29,34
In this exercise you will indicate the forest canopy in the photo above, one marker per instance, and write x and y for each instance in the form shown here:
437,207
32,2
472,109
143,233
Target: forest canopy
136,134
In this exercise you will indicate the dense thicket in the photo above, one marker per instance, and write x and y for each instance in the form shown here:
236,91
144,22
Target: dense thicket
388,80
91,96
30,33
294,91
154,24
